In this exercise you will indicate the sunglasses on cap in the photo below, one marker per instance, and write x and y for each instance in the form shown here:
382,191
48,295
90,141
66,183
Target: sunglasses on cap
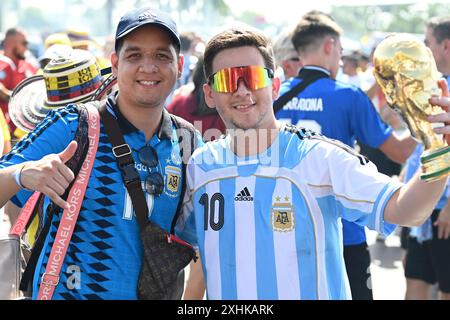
227,80
154,183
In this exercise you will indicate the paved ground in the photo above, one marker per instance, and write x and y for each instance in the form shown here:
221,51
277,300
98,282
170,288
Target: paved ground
387,270
3,226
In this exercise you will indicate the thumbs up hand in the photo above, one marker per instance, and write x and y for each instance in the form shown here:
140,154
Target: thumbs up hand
50,175
69,152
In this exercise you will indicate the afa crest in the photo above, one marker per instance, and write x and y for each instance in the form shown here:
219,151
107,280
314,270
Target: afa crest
283,218
173,177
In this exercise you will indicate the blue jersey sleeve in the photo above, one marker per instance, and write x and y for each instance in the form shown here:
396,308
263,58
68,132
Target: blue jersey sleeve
185,227
52,135
413,162
367,124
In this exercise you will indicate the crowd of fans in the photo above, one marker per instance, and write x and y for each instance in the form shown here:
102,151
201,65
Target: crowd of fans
308,48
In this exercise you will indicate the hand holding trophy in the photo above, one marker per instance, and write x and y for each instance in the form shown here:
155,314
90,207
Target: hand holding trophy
406,71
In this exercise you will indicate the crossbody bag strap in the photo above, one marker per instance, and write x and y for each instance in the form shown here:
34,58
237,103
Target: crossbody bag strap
187,144
306,81
25,215
50,278
74,164
122,151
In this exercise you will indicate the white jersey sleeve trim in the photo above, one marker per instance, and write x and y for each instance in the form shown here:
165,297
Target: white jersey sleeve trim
385,195
8,61
204,177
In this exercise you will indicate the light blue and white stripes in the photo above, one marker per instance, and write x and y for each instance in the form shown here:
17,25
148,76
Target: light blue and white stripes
284,241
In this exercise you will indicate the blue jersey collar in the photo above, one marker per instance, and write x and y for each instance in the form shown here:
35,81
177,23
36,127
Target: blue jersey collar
308,70
165,127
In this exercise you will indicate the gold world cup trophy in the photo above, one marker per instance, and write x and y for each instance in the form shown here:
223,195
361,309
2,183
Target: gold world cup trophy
406,71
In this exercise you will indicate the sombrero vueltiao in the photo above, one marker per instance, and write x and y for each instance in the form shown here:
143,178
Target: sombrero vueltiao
73,77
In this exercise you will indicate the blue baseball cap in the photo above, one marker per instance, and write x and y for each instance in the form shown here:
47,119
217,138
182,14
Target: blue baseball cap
139,17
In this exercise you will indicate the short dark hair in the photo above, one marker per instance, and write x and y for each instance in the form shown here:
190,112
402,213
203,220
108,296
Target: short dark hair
198,78
11,32
312,29
186,39
235,38
440,27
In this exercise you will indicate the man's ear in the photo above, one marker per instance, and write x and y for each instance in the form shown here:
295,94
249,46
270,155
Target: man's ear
114,63
209,99
285,65
328,45
447,46
180,65
276,83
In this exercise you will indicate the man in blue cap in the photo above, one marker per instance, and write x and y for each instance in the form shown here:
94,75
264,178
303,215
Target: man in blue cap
105,254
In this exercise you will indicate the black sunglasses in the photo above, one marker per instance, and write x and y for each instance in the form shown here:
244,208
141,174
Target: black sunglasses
154,184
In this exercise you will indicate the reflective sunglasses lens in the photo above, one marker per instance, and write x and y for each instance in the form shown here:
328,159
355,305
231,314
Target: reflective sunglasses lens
224,81
147,156
154,184
255,77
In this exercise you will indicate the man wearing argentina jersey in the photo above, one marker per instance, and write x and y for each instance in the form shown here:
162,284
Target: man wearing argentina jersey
105,253
264,203
343,112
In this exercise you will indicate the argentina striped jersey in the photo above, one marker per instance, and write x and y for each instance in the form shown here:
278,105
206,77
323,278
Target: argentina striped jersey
338,111
268,226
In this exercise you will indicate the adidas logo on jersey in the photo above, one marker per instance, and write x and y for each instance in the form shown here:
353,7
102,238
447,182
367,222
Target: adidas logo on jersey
244,195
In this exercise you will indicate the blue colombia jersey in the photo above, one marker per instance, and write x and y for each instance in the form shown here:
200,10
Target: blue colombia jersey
338,111
104,257
268,226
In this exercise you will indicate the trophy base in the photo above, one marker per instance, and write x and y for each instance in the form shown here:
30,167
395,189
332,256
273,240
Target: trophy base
435,164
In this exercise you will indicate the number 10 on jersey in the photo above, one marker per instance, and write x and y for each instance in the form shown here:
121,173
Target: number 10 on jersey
209,211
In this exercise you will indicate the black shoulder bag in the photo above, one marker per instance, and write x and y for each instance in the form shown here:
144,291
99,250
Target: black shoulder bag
165,255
